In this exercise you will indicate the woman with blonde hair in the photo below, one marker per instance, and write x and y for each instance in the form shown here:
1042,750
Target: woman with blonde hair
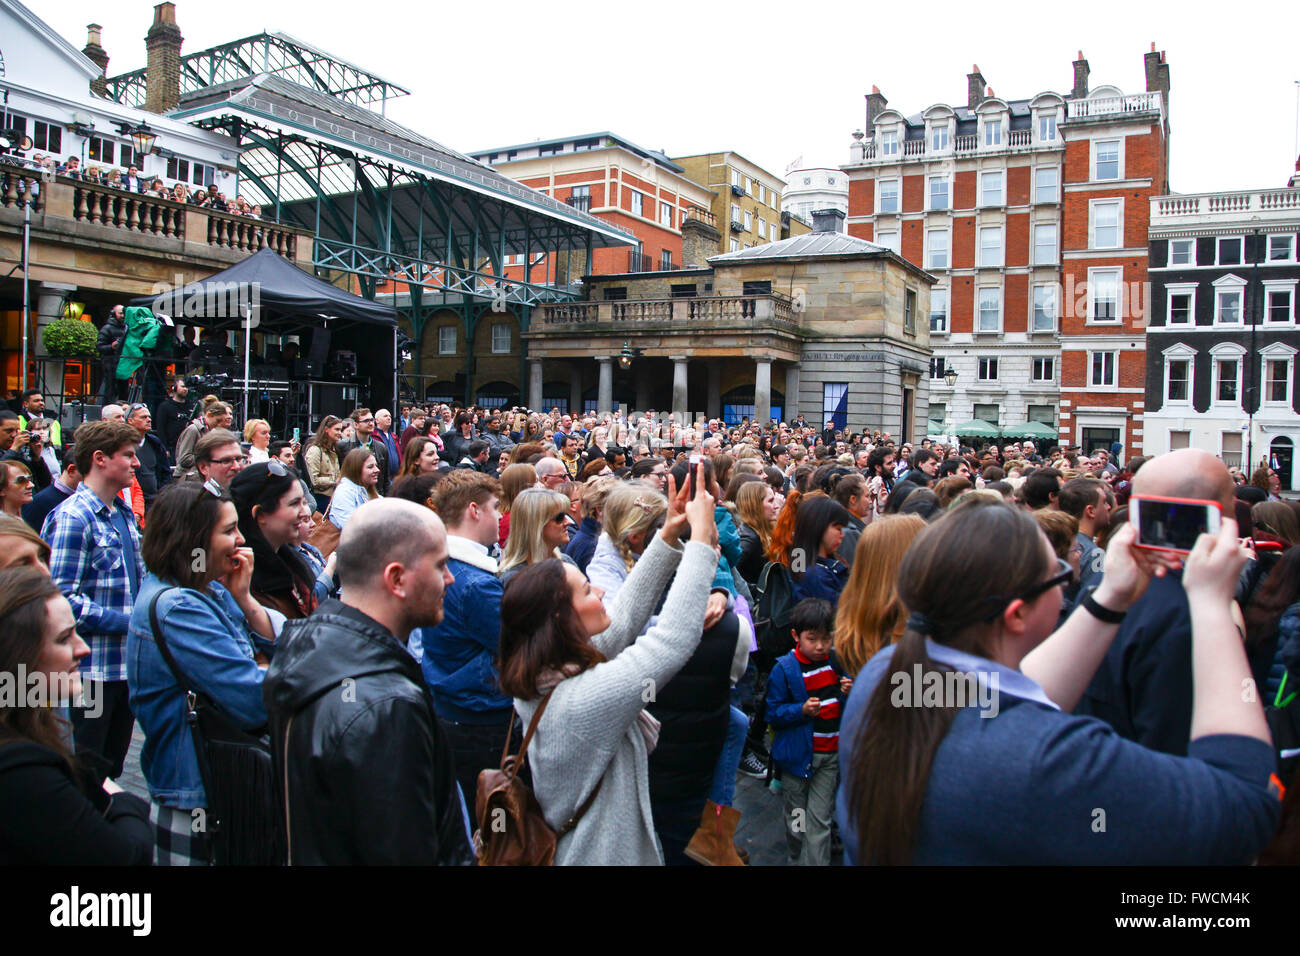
757,508
514,479
632,513
538,530
257,432
870,613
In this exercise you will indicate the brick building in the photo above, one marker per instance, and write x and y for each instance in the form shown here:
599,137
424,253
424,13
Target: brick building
747,201
1001,200
1116,160
1222,342
636,189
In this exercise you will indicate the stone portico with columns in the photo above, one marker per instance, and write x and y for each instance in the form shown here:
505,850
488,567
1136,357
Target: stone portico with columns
822,324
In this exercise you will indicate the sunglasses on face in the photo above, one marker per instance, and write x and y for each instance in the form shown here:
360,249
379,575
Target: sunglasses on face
22,481
559,519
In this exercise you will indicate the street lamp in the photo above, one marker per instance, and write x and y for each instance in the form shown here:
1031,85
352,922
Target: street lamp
950,376
627,355
142,137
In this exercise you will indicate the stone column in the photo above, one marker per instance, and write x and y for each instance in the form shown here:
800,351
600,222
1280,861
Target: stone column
535,384
791,409
680,407
605,391
763,392
713,405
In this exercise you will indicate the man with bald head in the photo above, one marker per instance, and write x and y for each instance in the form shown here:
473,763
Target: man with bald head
363,769
1143,687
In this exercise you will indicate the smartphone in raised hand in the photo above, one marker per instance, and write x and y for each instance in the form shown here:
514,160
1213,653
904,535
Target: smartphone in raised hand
1172,524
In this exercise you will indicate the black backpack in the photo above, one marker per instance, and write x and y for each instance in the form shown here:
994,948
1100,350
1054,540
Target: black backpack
774,602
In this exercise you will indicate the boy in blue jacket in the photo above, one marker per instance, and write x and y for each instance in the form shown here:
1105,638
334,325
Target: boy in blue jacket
805,696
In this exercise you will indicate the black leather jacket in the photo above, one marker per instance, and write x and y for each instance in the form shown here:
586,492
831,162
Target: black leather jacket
108,341
363,772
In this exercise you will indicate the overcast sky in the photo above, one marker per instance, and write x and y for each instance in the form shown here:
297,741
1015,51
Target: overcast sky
771,81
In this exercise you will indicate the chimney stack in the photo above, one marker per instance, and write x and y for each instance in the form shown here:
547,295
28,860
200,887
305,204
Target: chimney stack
163,74
1081,71
875,106
95,53
828,220
1157,72
974,87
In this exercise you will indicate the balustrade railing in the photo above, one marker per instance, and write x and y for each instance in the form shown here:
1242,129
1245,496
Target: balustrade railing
725,310
1226,204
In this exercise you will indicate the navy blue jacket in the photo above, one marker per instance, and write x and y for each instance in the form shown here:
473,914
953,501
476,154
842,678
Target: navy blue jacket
459,654
792,742
1031,785
45,501
583,543
1143,687
825,579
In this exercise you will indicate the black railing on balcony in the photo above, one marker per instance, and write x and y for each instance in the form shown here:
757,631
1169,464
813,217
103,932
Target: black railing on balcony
580,203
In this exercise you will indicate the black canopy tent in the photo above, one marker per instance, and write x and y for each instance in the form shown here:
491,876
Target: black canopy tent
268,294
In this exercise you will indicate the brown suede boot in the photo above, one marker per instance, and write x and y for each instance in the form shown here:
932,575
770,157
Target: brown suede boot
714,843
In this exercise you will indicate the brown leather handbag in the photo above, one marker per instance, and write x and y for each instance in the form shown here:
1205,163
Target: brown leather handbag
325,534
511,828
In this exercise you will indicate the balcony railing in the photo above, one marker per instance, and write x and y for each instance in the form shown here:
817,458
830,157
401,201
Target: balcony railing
739,311
914,147
1019,137
1109,105
699,215
966,143
636,262
580,203
1226,204
17,183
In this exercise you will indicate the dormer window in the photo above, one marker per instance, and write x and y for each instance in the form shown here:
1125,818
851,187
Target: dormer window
939,138
1047,127
993,133
889,144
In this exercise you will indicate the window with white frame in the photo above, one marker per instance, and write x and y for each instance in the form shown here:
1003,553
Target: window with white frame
636,202
939,192
1047,126
938,311
1044,370
1044,318
989,318
1103,295
1181,304
993,131
1277,381
1045,244
749,186
1279,301
735,213
1047,182
1101,369
889,144
735,177
749,221
1106,158
988,370
1229,293
1106,217
1230,451
990,245
666,214
938,254
991,188
771,231
1179,361
1281,248
500,338
939,137
762,193
888,195
762,228
909,312
834,399
1229,251
1182,252
735,245
447,340
1227,379
888,239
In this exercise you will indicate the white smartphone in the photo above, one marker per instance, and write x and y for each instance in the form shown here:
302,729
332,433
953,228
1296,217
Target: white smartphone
1172,524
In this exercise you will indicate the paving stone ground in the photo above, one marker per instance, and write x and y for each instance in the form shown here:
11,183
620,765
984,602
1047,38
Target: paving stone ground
760,831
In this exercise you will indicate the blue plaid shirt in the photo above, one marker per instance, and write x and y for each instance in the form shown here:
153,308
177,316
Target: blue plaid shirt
86,562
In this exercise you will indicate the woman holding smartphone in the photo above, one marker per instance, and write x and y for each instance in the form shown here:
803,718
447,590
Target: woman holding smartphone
1004,773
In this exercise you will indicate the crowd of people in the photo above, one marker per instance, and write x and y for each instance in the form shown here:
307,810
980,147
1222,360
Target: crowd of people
133,181
646,609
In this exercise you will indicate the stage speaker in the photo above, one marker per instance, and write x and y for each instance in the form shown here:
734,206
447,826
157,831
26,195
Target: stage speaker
333,400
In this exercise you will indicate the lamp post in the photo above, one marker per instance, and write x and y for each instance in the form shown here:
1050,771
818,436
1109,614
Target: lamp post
950,376
1252,357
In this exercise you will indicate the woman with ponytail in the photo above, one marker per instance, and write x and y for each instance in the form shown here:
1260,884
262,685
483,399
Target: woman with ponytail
958,743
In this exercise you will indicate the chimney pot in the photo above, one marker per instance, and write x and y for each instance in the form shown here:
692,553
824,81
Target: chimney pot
163,70
974,88
95,53
1081,71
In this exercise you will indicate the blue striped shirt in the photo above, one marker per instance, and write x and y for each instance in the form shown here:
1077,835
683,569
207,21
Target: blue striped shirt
88,561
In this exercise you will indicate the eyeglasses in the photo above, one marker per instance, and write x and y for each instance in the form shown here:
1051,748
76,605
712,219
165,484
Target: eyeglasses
228,461
1064,573
136,407
22,480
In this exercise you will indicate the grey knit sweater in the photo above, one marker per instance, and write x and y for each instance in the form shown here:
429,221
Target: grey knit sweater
590,728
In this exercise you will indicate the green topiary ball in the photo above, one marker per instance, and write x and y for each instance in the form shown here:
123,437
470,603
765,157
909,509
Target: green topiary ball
69,338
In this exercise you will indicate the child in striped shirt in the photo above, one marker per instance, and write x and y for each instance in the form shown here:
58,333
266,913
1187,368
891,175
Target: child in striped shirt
805,696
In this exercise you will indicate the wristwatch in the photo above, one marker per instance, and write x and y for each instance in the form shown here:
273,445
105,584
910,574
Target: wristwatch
1103,614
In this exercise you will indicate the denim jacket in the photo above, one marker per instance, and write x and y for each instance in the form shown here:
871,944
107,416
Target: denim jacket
213,646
